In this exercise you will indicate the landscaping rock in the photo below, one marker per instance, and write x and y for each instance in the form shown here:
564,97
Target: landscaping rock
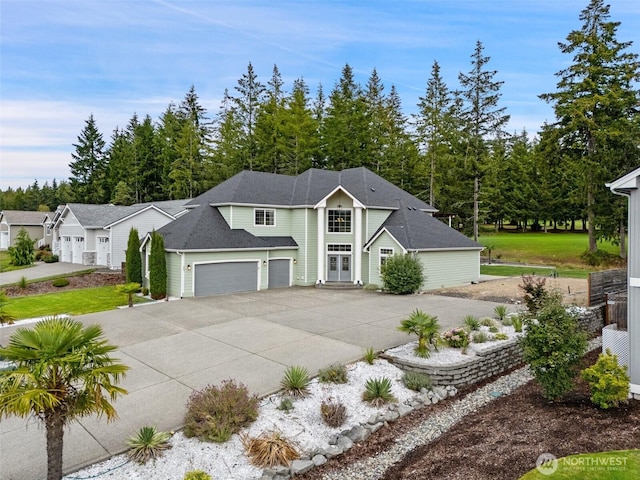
319,460
332,451
345,443
440,392
404,410
298,467
358,433
391,416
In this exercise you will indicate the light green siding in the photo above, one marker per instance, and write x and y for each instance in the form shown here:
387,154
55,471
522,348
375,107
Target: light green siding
311,226
449,268
173,272
373,220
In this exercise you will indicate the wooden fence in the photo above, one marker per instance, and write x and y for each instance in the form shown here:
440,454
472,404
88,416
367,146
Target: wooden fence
616,310
605,282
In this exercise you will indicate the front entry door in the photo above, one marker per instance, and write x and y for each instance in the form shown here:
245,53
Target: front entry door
339,267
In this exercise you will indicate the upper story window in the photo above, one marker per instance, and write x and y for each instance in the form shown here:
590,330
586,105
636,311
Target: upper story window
264,216
339,221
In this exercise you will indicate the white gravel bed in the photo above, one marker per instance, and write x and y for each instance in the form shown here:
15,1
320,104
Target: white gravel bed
303,425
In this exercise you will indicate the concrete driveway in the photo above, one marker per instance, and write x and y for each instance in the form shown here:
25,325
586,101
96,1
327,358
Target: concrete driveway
178,346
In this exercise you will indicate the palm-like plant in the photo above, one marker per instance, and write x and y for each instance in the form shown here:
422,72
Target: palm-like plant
295,381
129,289
63,372
377,391
148,443
426,327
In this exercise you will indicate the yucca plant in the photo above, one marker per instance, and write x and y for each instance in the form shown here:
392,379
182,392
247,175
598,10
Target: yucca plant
370,355
426,327
416,381
296,381
333,413
333,374
148,444
378,391
517,323
471,322
269,449
501,312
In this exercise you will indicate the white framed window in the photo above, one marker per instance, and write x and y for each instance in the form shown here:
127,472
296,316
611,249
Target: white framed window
48,229
339,247
265,217
103,239
384,254
78,239
338,221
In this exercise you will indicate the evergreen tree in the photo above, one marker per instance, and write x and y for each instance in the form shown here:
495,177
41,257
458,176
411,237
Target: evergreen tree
270,149
483,120
133,258
596,106
157,268
299,130
88,165
227,140
246,105
167,135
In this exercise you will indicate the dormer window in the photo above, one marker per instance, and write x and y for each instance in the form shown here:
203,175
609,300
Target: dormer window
264,217
339,221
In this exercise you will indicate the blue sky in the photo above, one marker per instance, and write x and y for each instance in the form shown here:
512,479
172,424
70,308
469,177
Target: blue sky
61,60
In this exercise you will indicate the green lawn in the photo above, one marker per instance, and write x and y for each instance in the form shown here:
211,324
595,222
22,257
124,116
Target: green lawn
73,302
5,263
616,465
541,248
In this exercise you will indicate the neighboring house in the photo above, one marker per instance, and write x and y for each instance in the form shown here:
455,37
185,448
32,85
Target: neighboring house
629,186
98,234
37,225
260,230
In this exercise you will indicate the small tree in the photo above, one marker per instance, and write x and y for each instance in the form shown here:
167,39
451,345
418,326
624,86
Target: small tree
553,346
22,253
129,289
402,274
63,372
425,327
133,258
608,380
157,268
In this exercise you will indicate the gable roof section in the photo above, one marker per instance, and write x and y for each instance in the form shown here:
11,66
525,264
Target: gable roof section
138,212
98,216
172,207
204,228
23,217
307,189
416,230
624,185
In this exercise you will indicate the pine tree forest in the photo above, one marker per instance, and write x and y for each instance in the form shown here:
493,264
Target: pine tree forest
454,152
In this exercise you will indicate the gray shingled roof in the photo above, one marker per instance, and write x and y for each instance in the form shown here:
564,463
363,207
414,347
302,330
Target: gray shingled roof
172,207
204,228
22,217
417,230
307,189
98,216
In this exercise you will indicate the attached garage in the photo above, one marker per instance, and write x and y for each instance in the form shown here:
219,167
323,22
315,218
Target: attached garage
102,251
227,277
279,273
66,249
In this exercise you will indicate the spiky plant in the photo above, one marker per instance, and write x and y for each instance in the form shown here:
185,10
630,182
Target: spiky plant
426,327
370,355
269,449
148,444
378,391
501,312
295,381
471,322
517,323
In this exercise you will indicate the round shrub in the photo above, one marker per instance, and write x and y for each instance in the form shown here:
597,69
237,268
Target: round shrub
50,259
402,274
608,380
217,412
60,282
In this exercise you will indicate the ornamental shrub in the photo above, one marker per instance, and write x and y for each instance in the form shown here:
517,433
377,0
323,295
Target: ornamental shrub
456,337
133,258
215,413
22,253
196,475
553,346
60,282
608,380
157,268
535,292
402,274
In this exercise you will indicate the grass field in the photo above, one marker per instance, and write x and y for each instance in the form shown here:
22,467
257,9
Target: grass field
514,271
73,302
542,248
5,265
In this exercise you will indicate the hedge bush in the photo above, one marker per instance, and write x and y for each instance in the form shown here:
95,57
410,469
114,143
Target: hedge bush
402,274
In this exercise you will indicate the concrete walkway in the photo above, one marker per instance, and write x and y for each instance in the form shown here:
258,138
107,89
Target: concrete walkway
176,347
41,270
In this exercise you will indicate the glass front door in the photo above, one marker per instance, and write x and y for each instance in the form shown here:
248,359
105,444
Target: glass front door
339,268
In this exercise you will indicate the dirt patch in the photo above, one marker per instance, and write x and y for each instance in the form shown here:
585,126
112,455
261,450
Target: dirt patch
95,279
503,439
506,290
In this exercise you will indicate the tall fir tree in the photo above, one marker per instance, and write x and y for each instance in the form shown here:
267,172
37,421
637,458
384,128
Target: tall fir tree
483,119
133,258
596,103
250,95
157,267
88,165
299,130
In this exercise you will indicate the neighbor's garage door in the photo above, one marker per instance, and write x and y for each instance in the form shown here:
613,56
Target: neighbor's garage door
279,273
228,277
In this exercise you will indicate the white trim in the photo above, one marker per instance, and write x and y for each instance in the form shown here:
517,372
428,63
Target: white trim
634,282
367,247
138,212
633,388
251,249
386,255
323,202
351,220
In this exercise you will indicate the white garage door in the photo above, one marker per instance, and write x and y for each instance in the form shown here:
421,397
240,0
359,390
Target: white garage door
66,249
4,240
228,277
77,249
279,273
103,251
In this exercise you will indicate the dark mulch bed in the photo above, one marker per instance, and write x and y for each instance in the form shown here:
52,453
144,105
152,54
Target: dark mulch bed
504,439
95,279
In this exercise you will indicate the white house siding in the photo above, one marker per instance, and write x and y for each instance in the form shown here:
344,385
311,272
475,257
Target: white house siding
449,268
145,222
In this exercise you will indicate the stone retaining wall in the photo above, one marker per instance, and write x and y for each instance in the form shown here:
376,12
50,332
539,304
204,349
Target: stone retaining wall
484,364
489,361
